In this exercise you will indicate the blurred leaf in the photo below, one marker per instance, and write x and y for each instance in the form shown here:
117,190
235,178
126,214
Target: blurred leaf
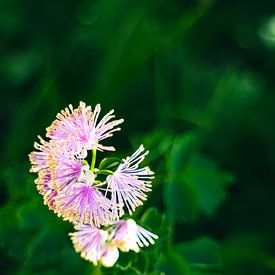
203,250
209,183
172,263
182,148
246,255
46,247
194,184
181,200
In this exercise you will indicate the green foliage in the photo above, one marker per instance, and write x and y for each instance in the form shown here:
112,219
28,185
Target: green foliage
200,251
194,185
194,82
109,163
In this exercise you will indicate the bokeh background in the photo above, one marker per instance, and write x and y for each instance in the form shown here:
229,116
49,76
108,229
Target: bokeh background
194,81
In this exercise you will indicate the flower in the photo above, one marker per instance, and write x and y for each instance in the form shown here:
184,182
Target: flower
82,194
101,246
129,183
127,235
72,122
82,124
90,242
84,204
66,162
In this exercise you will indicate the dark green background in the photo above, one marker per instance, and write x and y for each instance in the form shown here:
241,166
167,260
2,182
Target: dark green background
194,81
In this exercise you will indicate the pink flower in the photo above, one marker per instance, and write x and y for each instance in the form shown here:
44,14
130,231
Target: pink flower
99,246
90,242
129,183
82,124
65,163
39,159
127,235
72,123
84,204
81,194
43,184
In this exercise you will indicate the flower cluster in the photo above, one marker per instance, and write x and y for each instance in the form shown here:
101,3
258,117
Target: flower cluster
93,199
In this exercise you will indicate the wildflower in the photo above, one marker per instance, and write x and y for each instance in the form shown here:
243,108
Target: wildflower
127,235
84,204
82,124
65,163
129,183
70,187
90,242
101,246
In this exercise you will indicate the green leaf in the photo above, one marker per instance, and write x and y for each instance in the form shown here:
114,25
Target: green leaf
194,184
109,163
172,263
208,182
203,250
181,150
246,254
202,256
46,246
181,200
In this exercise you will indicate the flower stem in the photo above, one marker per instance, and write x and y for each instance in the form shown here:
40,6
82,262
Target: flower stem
93,160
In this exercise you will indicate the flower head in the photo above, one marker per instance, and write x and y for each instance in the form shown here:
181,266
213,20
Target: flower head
84,204
66,162
101,246
90,242
129,183
82,124
128,235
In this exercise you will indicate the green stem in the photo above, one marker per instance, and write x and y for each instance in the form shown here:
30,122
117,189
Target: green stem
93,160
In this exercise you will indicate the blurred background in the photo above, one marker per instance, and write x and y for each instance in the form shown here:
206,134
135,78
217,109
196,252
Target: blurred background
194,81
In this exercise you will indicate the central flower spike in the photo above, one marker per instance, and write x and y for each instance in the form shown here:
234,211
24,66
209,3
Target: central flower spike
92,197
